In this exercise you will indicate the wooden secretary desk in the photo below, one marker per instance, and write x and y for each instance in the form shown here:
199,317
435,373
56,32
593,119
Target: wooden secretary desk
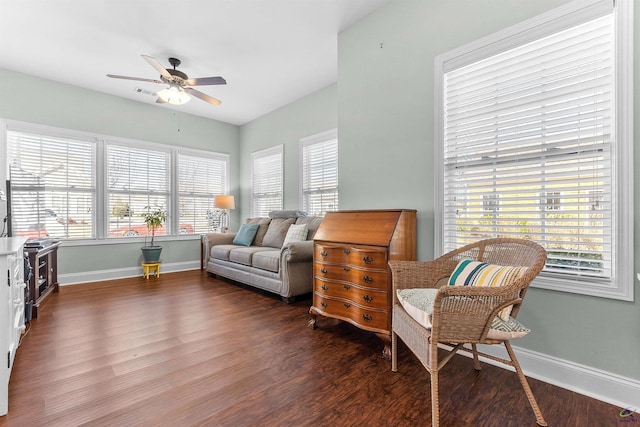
351,277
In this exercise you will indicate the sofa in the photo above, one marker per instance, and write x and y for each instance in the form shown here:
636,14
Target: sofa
278,258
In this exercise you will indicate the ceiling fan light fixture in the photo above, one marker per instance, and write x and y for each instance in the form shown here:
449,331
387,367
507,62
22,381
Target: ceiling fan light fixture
174,95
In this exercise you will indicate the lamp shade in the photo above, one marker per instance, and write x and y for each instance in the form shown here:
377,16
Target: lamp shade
174,95
224,202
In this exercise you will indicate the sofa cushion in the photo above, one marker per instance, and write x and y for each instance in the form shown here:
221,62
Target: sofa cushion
263,224
277,231
296,233
267,260
245,235
222,251
313,222
244,255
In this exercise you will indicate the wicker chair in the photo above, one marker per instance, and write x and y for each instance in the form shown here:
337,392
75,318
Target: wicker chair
463,314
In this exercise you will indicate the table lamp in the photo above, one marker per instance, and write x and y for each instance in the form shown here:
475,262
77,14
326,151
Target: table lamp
225,203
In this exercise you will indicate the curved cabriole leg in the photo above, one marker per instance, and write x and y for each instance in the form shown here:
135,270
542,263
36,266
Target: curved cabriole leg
312,322
527,390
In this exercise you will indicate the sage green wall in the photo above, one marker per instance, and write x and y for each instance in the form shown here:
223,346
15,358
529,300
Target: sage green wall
385,122
308,116
35,100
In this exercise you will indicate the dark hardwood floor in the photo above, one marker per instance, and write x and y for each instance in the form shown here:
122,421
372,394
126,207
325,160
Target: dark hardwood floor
188,350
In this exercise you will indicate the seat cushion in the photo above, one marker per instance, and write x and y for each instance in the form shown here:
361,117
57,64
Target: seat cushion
418,303
222,251
244,255
267,260
475,273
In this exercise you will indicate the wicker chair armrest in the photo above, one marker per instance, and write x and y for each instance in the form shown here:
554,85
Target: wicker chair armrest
465,313
416,274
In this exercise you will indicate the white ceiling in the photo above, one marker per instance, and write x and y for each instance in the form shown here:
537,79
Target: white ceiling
271,52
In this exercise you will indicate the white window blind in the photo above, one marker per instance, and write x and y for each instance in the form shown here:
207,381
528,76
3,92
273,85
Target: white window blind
136,178
53,191
529,149
267,181
200,179
319,173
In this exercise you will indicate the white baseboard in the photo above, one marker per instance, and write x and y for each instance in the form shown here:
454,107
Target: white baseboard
596,383
121,273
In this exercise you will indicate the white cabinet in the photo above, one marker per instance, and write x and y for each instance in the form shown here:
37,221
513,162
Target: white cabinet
12,287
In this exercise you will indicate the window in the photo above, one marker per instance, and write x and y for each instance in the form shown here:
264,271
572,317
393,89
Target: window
266,181
537,118
137,178
200,178
77,186
319,164
53,190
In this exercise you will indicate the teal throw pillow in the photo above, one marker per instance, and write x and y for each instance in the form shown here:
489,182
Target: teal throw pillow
246,234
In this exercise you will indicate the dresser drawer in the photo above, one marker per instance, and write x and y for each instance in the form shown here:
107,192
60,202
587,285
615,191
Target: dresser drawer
333,254
369,278
368,258
328,271
366,298
369,319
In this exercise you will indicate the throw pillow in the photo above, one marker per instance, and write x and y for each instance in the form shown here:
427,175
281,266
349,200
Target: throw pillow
296,233
476,273
245,235
277,232
262,230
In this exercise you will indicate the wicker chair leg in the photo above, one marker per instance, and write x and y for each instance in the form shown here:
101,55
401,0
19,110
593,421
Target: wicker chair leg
525,385
435,408
394,351
476,361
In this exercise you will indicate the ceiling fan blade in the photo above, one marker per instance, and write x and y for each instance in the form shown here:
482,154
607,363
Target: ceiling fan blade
202,81
158,66
203,96
114,76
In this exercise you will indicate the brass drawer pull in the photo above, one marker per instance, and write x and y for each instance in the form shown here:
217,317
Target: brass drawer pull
367,260
323,270
324,287
346,251
367,318
324,304
347,287
323,254
367,298
367,279
347,269
347,305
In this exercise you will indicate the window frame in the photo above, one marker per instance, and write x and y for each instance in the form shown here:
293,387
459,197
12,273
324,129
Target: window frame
277,150
306,143
622,284
101,214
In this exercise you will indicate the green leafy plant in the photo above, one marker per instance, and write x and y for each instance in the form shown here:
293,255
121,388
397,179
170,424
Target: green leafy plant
154,218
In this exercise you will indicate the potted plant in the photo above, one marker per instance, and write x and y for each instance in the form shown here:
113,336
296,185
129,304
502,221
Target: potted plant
153,218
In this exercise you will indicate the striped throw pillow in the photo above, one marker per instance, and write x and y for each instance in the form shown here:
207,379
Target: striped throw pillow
475,273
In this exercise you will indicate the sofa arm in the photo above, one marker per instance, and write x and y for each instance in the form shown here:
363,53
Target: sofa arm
213,239
297,252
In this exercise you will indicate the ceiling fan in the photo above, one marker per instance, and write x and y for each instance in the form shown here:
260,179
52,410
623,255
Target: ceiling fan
179,89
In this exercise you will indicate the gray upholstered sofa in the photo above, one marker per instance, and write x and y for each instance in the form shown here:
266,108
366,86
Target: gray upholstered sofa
267,263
